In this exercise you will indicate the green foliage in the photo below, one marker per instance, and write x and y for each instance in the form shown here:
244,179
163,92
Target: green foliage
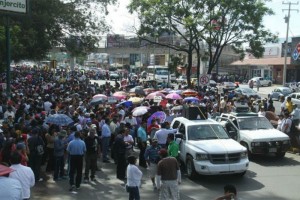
217,23
51,23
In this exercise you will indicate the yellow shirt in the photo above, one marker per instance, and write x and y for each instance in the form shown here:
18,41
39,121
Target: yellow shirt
289,106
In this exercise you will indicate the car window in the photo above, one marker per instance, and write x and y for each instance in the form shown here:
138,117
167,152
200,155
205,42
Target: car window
206,132
293,95
298,96
254,123
182,129
175,124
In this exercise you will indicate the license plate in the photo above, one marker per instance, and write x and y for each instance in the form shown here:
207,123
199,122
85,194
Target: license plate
272,150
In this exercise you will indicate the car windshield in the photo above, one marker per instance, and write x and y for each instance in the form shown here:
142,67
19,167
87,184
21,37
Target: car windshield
162,72
206,132
287,90
254,123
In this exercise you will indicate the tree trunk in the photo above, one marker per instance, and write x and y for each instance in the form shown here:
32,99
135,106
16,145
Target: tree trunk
189,67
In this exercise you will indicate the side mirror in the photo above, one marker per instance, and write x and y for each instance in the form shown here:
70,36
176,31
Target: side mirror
233,135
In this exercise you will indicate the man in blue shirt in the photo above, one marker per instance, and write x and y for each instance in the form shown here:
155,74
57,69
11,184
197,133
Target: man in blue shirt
105,139
76,149
142,143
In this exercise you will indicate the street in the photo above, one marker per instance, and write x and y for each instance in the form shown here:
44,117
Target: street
267,178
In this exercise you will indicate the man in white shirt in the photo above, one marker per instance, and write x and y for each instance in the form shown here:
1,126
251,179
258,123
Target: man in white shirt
162,134
10,188
131,120
47,106
134,177
121,112
23,174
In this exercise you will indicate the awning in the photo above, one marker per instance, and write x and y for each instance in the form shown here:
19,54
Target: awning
263,61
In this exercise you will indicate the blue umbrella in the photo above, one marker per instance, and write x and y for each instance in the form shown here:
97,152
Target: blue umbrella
127,104
97,101
157,115
191,99
59,119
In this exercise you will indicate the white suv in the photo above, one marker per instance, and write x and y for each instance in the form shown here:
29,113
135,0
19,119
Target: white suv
205,148
262,81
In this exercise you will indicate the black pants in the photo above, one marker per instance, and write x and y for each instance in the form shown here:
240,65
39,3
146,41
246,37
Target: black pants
76,163
142,147
121,166
50,163
90,164
35,162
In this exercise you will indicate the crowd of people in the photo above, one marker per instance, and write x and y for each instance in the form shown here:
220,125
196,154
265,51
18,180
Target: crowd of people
107,132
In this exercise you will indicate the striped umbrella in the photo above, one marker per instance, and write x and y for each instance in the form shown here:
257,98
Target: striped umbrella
59,119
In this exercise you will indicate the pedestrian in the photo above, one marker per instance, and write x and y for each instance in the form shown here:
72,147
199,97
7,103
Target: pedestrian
120,152
173,147
230,193
162,134
168,176
142,143
251,84
76,149
134,177
128,139
152,158
11,188
58,153
257,84
92,152
22,173
36,148
105,139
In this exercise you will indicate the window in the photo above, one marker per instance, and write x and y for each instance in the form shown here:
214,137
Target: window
176,124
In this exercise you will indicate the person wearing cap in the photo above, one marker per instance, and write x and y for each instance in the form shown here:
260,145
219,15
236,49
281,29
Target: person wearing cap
23,174
92,151
58,153
134,177
9,112
168,176
11,188
152,158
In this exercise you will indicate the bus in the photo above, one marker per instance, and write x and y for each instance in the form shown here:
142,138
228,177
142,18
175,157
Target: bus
158,72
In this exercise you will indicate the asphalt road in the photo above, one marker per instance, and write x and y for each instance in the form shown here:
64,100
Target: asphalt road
267,179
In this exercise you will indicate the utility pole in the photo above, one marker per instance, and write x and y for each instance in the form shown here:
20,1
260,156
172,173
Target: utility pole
287,21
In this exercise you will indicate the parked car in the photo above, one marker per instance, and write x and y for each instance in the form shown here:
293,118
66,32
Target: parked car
114,76
206,148
280,91
173,78
248,92
256,133
262,81
226,86
181,79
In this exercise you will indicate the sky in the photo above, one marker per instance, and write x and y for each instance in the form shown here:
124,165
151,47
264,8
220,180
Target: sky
122,21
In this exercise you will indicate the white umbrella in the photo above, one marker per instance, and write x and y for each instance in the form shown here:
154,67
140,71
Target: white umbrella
139,112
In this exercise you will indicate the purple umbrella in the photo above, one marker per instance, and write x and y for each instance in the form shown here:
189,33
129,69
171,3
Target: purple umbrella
157,115
173,96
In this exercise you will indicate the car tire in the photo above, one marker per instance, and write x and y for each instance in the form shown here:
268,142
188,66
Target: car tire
269,84
190,168
280,155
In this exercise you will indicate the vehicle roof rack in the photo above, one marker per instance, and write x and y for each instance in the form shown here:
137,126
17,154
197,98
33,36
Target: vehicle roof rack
244,114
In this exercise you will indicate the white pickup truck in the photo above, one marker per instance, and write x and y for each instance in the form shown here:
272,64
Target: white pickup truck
206,148
262,81
255,133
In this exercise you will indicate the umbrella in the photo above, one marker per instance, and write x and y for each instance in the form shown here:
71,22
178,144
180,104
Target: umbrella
120,93
191,99
141,107
155,94
149,90
137,90
97,101
119,96
173,96
177,107
100,96
135,100
189,92
166,90
157,115
127,104
175,91
59,119
139,112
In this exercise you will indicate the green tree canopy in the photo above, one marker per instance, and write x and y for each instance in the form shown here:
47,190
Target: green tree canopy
55,23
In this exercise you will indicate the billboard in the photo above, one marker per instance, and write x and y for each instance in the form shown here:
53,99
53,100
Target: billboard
15,6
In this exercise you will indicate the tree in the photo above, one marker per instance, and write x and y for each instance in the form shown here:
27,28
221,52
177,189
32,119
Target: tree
50,23
217,23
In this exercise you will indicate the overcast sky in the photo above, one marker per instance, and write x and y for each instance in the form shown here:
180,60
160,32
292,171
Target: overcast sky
122,22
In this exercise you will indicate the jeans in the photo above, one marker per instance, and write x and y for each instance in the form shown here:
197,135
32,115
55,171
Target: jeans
105,147
134,193
59,162
35,162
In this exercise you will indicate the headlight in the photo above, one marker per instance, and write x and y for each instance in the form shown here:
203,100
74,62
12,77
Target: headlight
200,156
256,144
244,154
